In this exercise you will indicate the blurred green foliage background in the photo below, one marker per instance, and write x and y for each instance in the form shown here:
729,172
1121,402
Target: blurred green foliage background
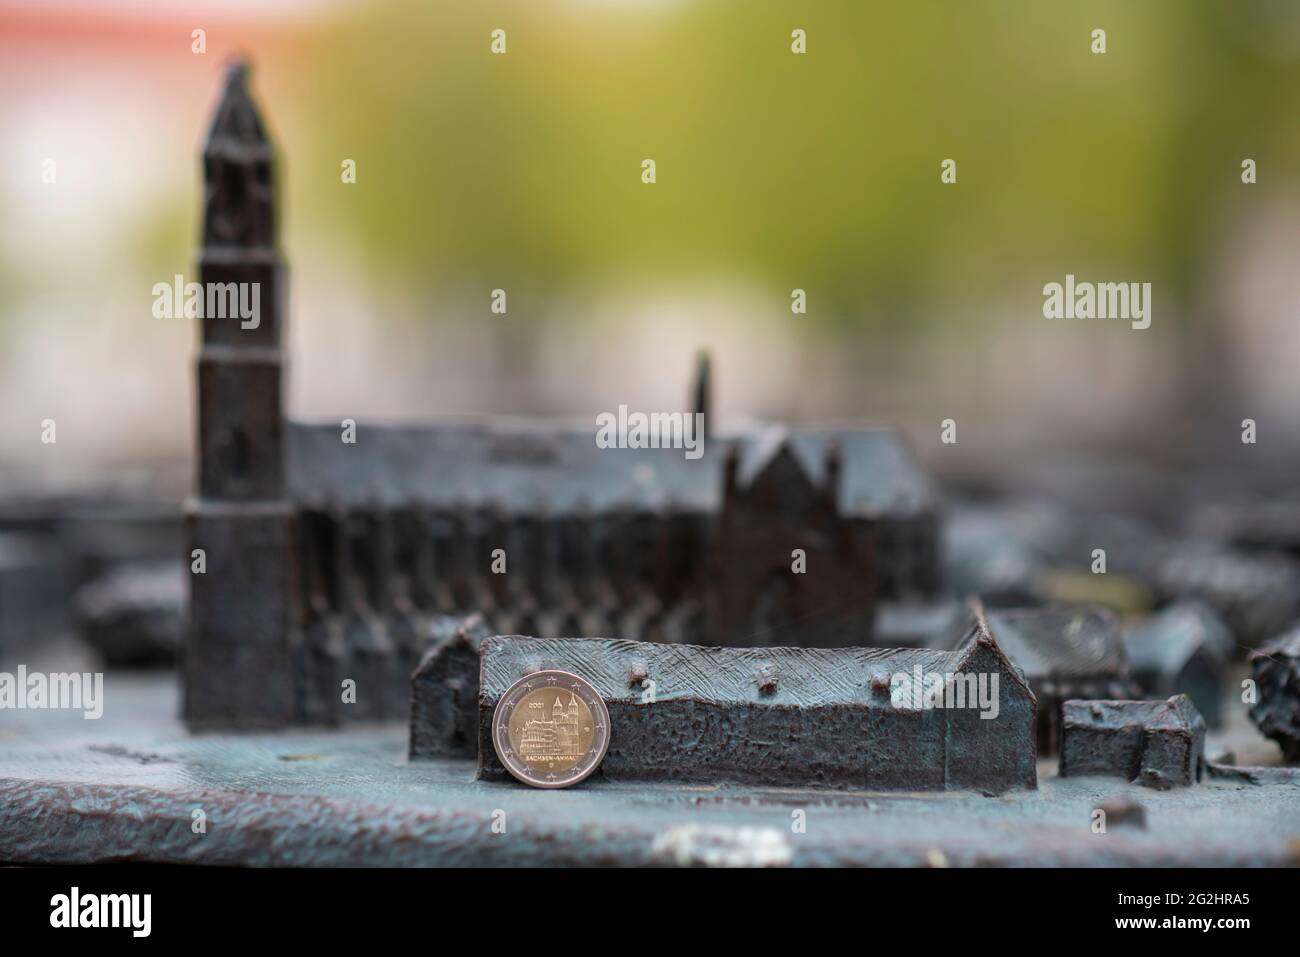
819,171
775,171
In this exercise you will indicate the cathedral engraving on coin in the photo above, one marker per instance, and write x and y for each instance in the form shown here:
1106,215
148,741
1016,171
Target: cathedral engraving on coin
550,729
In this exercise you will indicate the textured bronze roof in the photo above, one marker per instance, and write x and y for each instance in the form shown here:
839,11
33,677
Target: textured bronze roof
1170,714
525,467
1168,640
1061,642
805,676
237,127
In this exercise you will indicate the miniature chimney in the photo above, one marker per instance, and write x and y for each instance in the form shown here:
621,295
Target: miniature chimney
731,471
834,464
702,392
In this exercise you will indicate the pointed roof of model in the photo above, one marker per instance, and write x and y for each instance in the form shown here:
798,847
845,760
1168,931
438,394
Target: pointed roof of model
977,640
1061,642
770,447
237,129
1166,641
702,392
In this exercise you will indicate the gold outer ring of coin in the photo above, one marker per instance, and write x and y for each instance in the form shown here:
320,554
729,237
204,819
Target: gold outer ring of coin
538,681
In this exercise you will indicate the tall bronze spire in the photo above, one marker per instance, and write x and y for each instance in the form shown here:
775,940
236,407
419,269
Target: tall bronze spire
240,410
241,608
239,187
703,388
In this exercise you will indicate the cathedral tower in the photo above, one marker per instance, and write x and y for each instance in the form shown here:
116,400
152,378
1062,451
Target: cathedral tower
240,524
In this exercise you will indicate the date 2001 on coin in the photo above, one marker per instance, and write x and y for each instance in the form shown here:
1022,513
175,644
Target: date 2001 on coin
550,729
